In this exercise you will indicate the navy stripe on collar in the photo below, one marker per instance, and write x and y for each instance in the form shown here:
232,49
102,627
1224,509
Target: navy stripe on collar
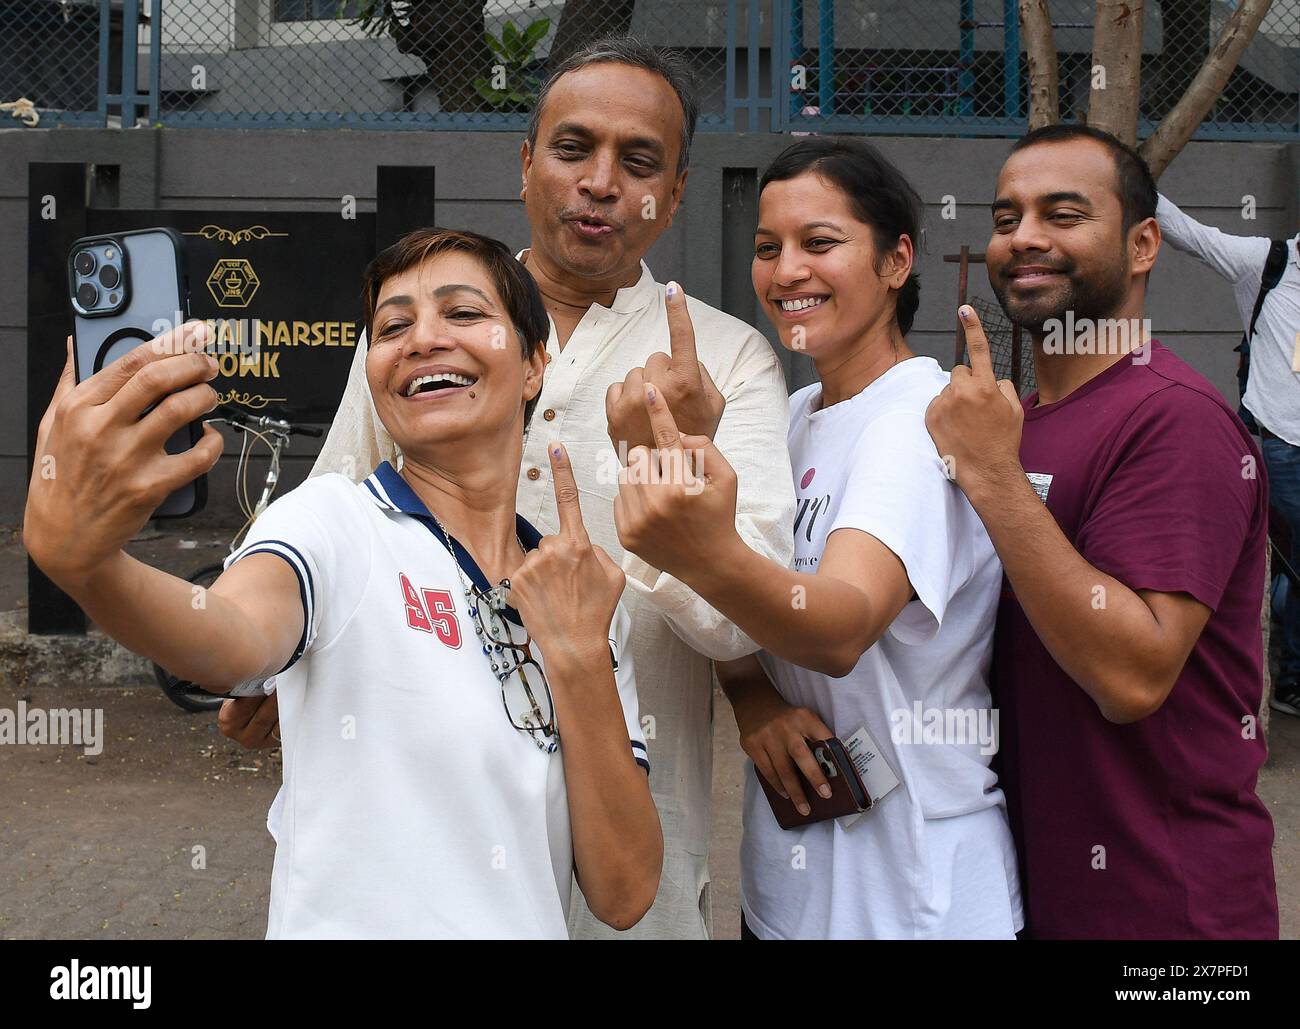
390,491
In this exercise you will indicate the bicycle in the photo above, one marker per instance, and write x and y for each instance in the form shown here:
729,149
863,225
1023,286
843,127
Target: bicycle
275,433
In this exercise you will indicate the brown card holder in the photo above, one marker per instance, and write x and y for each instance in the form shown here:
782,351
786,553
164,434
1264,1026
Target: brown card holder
848,795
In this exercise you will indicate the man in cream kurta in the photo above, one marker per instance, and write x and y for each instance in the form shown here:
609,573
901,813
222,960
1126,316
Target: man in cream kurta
674,632
602,175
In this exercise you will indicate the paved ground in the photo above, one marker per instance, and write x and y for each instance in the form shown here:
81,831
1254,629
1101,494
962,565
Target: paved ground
162,835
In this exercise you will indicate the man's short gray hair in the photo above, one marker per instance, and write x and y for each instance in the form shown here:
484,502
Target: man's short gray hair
631,51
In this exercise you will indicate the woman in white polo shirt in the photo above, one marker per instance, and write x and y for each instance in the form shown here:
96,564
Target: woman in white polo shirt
884,624
447,772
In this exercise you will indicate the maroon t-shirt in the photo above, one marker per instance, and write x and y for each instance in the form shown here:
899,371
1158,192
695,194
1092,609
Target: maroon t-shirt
1151,829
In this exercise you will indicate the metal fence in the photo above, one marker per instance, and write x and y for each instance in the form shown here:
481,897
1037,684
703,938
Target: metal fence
50,58
451,63
947,67
958,67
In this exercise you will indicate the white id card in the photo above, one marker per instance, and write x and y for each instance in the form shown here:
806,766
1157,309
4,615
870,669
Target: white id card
253,688
872,768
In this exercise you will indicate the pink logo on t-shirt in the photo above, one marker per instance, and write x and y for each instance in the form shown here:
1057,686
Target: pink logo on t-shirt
807,478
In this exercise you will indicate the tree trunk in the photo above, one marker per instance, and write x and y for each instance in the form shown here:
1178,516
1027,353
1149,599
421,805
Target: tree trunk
449,37
586,20
1040,55
1179,125
1184,44
1116,86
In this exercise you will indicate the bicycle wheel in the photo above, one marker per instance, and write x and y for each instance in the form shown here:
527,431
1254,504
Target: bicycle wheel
181,692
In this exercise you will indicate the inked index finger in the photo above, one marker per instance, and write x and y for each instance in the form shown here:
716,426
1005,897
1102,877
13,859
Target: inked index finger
662,425
977,344
566,494
681,334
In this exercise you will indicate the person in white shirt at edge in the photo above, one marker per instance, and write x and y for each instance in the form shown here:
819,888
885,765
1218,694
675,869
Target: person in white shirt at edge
609,142
425,795
1272,390
885,620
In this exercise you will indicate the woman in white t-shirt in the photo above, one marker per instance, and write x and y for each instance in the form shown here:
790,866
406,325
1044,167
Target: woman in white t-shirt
884,624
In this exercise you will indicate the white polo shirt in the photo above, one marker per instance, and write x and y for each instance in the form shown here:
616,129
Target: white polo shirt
675,633
410,806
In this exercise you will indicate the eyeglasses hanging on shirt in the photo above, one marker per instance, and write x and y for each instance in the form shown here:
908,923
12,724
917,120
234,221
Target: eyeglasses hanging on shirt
525,693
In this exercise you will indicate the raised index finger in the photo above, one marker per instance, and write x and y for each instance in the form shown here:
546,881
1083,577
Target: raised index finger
662,426
681,334
977,344
566,495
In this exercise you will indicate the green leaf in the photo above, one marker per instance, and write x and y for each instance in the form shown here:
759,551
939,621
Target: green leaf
512,40
536,32
492,96
496,46
374,16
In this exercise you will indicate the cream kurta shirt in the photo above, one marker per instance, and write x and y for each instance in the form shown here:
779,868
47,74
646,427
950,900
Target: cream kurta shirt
674,632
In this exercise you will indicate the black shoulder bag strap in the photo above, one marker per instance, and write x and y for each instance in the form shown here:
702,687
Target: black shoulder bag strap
1273,269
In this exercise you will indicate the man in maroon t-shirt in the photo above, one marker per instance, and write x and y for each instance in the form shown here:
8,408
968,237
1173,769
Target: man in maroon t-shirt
1131,522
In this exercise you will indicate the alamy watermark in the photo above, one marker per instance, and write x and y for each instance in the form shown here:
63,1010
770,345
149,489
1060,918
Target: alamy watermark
74,981
642,465
1098,336
77,727
953,725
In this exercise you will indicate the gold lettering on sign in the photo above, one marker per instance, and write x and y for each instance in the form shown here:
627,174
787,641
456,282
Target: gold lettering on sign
230,366
308,334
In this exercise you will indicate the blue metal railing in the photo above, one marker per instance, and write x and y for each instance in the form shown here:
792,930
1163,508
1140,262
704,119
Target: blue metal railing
888,101
955,98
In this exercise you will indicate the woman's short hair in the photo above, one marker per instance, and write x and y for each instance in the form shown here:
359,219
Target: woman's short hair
878,193
513,283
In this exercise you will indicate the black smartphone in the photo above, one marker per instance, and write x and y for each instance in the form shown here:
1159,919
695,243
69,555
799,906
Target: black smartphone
841,760
127,288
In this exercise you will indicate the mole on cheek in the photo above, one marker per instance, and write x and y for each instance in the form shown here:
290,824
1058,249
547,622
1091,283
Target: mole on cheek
471,394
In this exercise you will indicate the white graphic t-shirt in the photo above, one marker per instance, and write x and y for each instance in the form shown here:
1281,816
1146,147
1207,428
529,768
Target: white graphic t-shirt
934,858
411,806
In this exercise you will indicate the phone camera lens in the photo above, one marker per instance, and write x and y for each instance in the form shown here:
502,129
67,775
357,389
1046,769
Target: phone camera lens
85,262
109,276
87,295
